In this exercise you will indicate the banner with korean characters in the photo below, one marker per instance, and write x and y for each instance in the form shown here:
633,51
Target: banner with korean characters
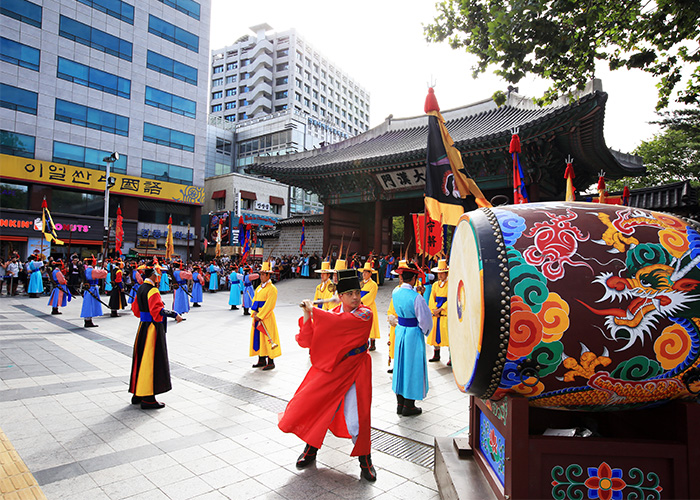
69,176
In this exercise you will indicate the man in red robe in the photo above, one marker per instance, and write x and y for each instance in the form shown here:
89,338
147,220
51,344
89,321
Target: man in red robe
336,393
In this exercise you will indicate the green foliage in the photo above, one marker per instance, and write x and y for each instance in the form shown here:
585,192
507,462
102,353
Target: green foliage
561,40
397,228
672,155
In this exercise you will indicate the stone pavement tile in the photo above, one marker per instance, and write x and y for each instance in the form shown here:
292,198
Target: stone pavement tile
149,495
202,465
214,495
331,457
190,453
273,495
154,463
128,487
301,489
427,479
285,456
114,474
184,490
414,492
256,466
237,454
386,479
246,489
278,478
223,477
70,488
169,475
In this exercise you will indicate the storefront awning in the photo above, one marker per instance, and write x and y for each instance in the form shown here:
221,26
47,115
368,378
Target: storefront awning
218,194
248,195
276,200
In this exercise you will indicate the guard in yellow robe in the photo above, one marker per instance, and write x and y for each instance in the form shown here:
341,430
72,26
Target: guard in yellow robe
326,289
438,336
369,295
264,336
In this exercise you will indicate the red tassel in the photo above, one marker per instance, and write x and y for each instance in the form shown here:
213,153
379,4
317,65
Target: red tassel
569,173
431,103
170,219
601,183
43,204
515,144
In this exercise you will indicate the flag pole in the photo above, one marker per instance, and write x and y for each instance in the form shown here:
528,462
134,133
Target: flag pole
425,231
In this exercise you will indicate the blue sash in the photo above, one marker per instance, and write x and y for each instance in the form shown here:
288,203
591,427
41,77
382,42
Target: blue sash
145,317
408,322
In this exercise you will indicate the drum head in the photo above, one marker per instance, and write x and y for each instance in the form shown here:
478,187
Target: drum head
465,292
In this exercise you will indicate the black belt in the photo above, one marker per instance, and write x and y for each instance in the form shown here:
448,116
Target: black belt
356,350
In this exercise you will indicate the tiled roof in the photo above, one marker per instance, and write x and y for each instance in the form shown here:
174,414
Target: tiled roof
309,220
665,197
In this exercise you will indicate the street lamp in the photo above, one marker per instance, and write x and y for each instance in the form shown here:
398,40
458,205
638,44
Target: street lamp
109,182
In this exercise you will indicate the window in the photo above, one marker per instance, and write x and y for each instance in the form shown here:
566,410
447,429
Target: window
244,89
231,105
19,54
231,79
314,106
307,89
217,95
282,67
168,137
230,92
115,8
217,82
80,156
297,97
247,204
315,94
171,67
92,37
323,100
282,81
298,83
308,61
283,53
230,118
12,143
275,209
245,76
18,99
81,203
219,69
281,107
93,78
14,196
22,10
93,118
171,102
306,102
243,102
165,172
245,62
216,108
189,7
158,212
231,66
242,116
223,146
220,204
173,33
281,95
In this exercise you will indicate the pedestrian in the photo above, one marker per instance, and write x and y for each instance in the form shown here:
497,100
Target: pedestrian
326,289
12,274
36,284
197,283
3,272
136,280
389,266
164,270
264,337
214,271
369,296
235,280
336,393
181,303
92,305
150,368
117,297
60,295
410,380
248,291
75,274
438,307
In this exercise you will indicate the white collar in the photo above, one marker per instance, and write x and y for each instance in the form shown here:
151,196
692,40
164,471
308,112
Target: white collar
263,285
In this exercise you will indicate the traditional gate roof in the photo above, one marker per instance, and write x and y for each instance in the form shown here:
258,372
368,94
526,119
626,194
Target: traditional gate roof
482,132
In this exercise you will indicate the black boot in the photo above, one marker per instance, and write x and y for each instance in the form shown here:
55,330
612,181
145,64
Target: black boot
135,400
196,304
399,404
307,457
262,361
367,469
410,409
89,324
436,355
55,311
150,403
270,364
372,347
234,308
245,312
114,314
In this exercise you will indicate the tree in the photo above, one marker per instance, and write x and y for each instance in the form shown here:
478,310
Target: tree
561,40
673,155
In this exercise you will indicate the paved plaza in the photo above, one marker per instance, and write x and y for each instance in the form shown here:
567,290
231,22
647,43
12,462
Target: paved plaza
65,412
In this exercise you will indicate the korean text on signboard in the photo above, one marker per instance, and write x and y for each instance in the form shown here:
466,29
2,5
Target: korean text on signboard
412,178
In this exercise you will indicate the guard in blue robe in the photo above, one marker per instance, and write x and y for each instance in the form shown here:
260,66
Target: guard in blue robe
36,284
92,306
181,303
305,267
248,294
60,295
197,282
410,380
234,297
108,282
214,271
164,286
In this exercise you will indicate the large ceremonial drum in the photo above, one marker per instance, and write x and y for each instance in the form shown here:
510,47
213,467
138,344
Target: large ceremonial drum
579,306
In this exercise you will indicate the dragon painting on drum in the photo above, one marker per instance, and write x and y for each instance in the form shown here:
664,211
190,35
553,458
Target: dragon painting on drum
576,305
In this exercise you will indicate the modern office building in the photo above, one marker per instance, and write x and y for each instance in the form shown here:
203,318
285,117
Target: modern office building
80,79
278,95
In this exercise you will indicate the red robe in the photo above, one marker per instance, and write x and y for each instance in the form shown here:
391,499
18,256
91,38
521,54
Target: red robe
318,404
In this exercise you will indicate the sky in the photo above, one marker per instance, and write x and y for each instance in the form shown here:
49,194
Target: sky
380,44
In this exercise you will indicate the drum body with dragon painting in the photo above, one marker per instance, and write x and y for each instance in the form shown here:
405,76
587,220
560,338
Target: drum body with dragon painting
578,306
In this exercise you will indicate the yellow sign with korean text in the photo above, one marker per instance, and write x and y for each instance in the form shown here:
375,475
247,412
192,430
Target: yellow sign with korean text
68,176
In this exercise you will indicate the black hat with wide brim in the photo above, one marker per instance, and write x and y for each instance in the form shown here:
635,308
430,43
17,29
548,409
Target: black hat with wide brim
347,280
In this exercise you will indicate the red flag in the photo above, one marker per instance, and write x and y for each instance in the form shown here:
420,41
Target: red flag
303,239
569,176
169,246
519,191
418,232
601,187
430,242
